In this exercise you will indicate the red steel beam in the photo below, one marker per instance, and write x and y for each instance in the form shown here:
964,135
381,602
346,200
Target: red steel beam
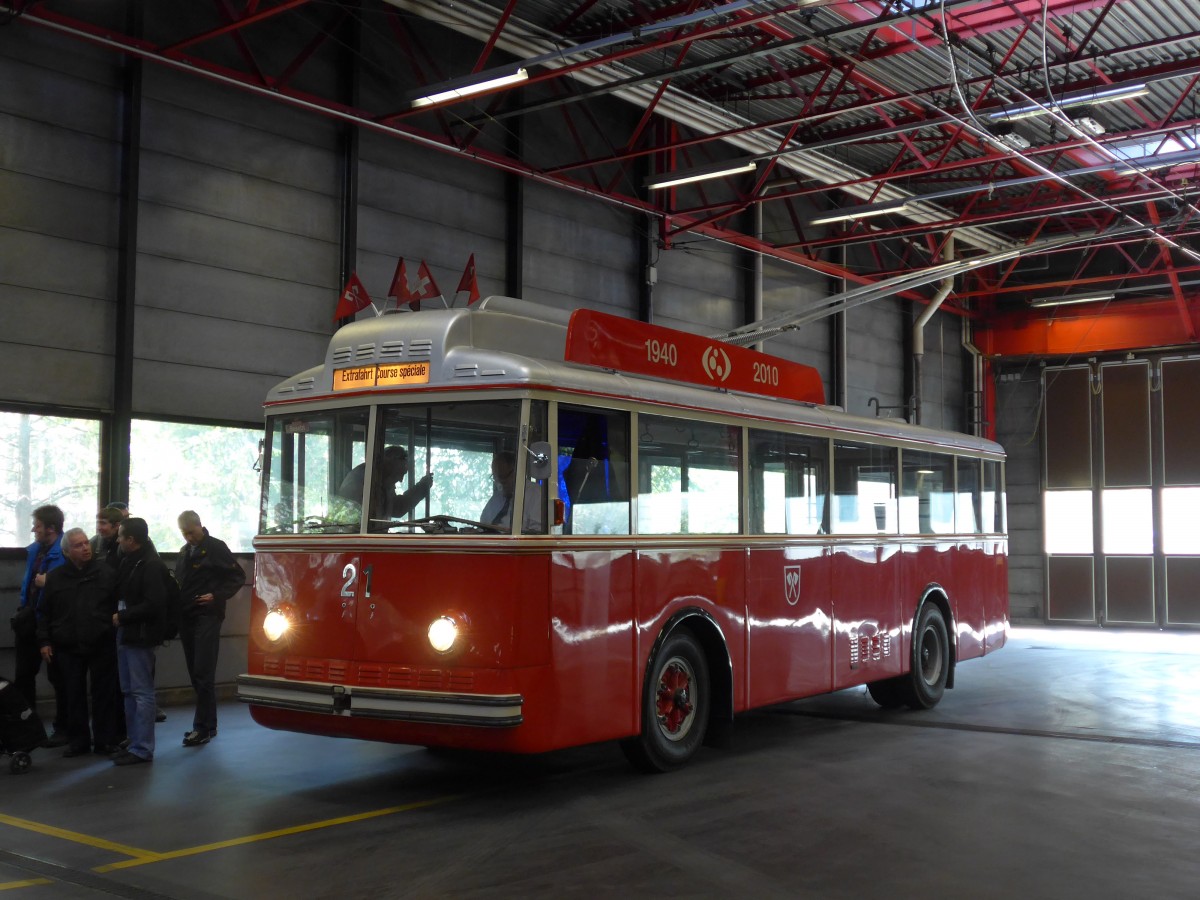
1135,326
235,24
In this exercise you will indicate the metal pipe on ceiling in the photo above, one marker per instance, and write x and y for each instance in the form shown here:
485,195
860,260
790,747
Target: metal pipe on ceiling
475,19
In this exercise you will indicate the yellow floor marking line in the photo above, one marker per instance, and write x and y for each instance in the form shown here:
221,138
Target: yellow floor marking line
269,835
78,838
31,882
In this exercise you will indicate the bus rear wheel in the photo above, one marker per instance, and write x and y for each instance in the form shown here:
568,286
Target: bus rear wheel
926,682
675,706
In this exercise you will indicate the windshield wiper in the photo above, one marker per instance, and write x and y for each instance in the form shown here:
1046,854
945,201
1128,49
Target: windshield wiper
443,525
311,525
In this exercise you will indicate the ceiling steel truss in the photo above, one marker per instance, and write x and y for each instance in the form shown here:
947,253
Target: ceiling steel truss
1067,131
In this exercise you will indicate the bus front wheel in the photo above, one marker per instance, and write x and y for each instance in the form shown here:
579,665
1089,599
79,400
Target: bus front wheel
926,682
675,705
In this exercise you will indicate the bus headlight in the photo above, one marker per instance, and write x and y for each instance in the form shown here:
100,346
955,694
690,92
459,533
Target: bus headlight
276,624
443,632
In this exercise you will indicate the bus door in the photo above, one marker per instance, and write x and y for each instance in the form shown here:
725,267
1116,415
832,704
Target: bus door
868,632
790,614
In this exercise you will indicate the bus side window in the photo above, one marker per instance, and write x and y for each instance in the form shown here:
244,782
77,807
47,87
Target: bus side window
864,485
788,484
993,499
967,512
593,448
927,493
688,478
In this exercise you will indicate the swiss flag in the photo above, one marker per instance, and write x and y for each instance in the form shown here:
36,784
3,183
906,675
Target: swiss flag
399,290
427,288
468,282
353,299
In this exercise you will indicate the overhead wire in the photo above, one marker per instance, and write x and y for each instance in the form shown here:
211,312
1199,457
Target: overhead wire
1053,110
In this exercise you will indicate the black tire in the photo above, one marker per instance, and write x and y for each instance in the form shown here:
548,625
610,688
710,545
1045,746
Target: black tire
20,763
888,693
926,683
675,706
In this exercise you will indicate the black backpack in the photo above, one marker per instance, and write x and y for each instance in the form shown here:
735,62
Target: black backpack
173,611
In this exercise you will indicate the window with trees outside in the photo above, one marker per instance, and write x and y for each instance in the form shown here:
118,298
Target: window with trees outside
211,469
688,476
47,460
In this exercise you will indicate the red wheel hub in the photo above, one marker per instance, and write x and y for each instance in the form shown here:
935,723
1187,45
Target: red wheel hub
674,703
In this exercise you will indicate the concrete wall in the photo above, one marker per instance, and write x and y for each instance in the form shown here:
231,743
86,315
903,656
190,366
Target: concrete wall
59,177
238,250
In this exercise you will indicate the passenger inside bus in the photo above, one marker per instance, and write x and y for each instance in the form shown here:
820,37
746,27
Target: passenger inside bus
391,469
593,470
499,508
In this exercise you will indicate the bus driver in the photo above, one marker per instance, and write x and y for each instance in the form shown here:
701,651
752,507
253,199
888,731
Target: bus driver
385,502
499,508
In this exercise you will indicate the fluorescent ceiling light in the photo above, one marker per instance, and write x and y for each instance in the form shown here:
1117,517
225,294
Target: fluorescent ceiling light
1086,122
1153,148
718,171
467,90
1084,98
862,212
1073,298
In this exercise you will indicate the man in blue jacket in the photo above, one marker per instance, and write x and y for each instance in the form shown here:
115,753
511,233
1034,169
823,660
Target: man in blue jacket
44,554
208,576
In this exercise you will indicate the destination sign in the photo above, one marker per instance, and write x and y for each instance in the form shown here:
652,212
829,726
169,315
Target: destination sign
612,342
359,378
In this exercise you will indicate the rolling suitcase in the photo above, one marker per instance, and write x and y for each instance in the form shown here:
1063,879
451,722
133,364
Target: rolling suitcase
20,728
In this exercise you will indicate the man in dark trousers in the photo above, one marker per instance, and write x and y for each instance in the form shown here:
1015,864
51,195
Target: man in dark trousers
117,512
141,611
208,576
43,555
75,632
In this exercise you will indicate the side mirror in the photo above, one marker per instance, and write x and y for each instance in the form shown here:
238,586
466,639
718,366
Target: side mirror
540,460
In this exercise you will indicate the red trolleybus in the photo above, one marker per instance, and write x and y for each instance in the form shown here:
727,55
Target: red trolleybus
508,528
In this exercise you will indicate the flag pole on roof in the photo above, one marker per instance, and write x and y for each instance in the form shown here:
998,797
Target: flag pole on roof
427,288
468,282
354,299
399,290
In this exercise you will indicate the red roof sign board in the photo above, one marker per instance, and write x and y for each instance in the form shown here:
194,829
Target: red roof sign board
612,342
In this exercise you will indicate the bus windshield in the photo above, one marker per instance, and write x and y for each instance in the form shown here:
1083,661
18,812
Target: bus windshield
434,468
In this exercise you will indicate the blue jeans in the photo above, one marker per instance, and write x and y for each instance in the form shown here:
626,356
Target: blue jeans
135,666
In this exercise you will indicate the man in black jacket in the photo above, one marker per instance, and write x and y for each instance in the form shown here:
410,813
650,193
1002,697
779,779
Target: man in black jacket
208,576
141,610
75,632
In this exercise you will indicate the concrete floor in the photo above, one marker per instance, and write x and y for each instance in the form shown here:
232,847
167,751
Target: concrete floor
1063,766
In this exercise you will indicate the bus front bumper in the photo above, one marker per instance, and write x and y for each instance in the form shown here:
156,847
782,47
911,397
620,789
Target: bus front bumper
438,707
